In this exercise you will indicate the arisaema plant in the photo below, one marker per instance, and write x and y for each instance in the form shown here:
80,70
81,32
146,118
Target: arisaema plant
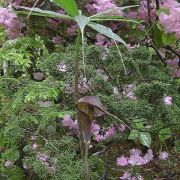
74,14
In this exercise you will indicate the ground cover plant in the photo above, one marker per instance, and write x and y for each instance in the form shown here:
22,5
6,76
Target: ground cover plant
89,89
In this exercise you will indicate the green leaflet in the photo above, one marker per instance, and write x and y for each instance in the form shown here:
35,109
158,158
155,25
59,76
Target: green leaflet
69,6
40,12
106,31
145,138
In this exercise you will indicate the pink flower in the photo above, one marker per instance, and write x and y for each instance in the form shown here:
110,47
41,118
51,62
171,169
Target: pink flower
72,30
136,160
95,128
136,152
176,73
110,132
173,63
10,22
97,6
34,146
148,156
126,176
129,91
99,137
57,40
122,161
163,155
67,121
170,21
53,23
168,100
122,127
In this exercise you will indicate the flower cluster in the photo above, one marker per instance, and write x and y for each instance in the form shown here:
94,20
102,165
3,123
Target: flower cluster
128,176
110,132
97,6
171,21
101,40
167,100
55,24
10,22
136,158
142,12
68,122
174,64
98,134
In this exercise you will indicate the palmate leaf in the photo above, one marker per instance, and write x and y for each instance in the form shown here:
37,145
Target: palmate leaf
69,6
106,31
40,12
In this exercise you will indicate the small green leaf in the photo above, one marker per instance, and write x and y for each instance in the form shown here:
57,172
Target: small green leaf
69,6
168,39
158,37
133,135
164,134
163,10
145,138
11,154
106,31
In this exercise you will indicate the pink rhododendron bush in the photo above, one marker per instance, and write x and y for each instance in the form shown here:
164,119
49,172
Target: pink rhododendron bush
89,89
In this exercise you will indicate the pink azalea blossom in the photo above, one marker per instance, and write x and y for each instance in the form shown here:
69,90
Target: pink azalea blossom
126,176
72,30
175,73
57,40
110,132
97,6
148,156
10,22
136,158
135,152
168,100
53,23
95,128
122,161
34,146
170,21
68,122
173,63
122,127
163,155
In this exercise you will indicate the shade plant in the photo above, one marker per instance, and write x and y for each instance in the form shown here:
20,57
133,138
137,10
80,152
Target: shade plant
37,93
82,21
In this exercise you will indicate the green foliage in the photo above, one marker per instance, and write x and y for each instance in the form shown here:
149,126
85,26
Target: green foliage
34,108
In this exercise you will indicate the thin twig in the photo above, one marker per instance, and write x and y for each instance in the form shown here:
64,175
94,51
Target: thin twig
149,12
32,8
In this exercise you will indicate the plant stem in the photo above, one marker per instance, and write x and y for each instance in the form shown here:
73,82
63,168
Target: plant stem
76,67
83,148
